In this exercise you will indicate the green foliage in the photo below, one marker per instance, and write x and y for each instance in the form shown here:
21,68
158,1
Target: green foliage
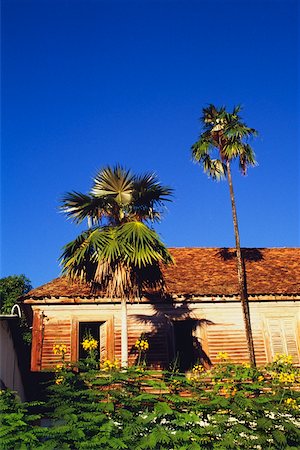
119,247
140,409
11,288
225,134
18,423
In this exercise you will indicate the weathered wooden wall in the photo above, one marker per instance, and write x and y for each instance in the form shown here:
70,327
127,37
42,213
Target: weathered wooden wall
276,328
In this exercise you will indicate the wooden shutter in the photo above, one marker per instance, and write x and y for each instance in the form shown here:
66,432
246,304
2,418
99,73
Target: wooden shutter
107,340
37,341
283,337
102,334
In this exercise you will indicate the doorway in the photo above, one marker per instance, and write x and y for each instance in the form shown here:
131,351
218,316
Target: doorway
184,344
88,329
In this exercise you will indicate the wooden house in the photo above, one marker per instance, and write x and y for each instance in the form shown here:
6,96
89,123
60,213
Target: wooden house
200,317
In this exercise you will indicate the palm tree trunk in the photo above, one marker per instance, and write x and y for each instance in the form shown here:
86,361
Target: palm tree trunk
241,272
124,334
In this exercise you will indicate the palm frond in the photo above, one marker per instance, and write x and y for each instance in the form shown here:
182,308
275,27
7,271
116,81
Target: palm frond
238,130
142,245
131,260
80,257
202,147
210,114
114,182
232,148
214,168
78,207
236,110
247,158
149,196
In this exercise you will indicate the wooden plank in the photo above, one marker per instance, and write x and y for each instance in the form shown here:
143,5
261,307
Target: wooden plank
74,341
37,340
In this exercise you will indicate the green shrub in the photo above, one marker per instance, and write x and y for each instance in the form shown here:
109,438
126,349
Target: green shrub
18,423
229,407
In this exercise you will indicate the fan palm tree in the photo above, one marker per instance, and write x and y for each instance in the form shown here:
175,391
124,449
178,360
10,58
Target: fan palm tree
226,134
119,253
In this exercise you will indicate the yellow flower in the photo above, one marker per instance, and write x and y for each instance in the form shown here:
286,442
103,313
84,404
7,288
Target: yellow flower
196,372
286,377
291,403
59,349
108,365
89,344
233,392
141,344
223,356
59,380
228,391
260,378
283,358
198,368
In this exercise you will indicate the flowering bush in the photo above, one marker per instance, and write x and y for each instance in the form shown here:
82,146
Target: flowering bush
59,367
109,366
175,386
59,380
196,373
282,371
286,377
90,346
230,406
141,346
228,391
282,359
292,403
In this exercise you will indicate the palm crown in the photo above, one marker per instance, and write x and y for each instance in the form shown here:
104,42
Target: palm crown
227,133
118,196
118,248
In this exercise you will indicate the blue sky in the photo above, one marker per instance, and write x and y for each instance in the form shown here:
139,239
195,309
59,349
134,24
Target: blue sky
91,83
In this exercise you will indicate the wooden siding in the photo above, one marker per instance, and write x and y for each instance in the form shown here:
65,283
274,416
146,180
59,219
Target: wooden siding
55,332
37,340
219,327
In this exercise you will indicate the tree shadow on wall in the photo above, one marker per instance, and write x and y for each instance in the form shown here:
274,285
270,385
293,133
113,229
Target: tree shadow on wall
172,341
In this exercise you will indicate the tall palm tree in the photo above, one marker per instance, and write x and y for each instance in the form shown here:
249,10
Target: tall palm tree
226,134
119,253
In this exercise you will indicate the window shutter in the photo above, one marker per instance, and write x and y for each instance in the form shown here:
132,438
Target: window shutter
37,341
103,348
283,337
290,329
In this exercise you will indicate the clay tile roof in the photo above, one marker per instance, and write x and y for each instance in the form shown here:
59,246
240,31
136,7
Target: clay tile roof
209,271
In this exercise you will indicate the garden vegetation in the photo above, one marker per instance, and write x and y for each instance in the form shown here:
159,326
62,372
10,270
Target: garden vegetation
104,406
